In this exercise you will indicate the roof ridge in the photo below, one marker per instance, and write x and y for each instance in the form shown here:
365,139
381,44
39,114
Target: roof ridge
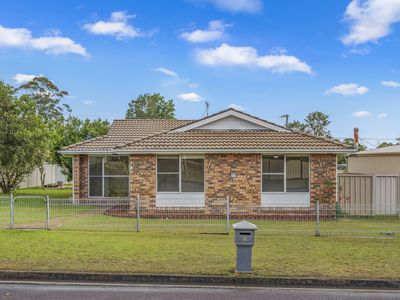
141,139
331,140
153,119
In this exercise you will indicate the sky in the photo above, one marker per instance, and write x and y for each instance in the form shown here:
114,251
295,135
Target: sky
267,58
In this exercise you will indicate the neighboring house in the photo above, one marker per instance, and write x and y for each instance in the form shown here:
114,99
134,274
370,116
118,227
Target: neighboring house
53,177
377,161
182,163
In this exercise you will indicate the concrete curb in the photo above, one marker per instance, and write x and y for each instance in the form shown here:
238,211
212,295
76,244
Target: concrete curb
200,280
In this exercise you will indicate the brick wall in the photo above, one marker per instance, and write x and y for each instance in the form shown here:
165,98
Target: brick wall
323,178
244,190
80,176
142,170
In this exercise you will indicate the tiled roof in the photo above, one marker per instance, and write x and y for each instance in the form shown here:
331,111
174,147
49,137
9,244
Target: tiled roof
235,140
126,131
137,135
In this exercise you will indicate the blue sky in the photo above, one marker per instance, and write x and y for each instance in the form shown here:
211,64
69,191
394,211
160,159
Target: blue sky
265,57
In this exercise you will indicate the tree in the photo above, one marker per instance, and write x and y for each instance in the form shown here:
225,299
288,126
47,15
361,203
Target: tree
47,98
150,106
386,144
315,123
74,131
23,138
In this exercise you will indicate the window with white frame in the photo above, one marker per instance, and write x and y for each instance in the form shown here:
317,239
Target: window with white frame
180,173
281,174
108,176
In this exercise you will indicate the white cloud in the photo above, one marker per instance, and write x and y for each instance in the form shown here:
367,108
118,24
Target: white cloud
88,102
236,106
226,55
382,115
347,89
191,97
370,20
166,72
214,32
362,114
235,6
392,84
20,78
51,44
117,26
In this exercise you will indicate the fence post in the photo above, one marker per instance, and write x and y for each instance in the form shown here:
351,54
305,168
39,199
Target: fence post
317,233
138,213
227,213
47,213
11,211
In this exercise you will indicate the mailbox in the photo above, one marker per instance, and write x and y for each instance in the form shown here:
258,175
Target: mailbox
244,240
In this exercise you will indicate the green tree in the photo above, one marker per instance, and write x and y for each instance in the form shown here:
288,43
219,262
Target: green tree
150,106
74,131
47,98
315,123
386,144
23,138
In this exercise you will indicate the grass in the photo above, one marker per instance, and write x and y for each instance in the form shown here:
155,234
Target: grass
191,253
169,246
65,192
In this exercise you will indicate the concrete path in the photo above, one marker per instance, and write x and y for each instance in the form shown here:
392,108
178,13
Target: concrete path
58,291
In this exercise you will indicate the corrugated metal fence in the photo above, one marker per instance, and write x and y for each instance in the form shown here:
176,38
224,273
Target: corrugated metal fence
363,194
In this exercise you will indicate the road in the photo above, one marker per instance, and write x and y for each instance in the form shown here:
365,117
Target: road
58,291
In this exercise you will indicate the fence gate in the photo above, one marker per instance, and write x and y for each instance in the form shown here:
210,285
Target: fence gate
29,212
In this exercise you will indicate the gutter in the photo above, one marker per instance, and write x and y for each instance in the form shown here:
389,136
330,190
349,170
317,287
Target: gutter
172,151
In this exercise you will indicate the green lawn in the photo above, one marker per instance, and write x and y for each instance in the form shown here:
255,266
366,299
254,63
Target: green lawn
191,253
65,192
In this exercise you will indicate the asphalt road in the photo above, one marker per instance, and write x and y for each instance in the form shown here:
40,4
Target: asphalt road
56,291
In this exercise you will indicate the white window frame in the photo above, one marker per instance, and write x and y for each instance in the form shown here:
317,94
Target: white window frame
180,172
102,176
285,173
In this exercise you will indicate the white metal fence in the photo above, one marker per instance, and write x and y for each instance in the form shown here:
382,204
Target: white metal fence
25,212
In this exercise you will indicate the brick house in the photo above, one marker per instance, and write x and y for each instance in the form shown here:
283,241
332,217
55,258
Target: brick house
193,163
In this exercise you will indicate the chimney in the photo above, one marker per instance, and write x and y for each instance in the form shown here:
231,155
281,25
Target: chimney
355,138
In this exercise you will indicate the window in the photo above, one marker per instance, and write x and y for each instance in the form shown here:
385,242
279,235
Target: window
108,176
180,173
282,174
273,173
297,174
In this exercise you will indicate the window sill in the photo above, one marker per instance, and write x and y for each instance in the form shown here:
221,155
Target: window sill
288,199
180,199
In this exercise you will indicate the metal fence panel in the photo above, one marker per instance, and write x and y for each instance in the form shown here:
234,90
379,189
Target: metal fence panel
29,212
91,215
4,212
133,215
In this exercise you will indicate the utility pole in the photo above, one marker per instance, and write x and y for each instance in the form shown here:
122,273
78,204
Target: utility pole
207,108
286,116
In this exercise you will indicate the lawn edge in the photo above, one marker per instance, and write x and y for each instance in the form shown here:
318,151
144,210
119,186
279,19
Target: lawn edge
240,280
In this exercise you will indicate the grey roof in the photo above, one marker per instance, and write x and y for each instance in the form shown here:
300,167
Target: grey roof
380,151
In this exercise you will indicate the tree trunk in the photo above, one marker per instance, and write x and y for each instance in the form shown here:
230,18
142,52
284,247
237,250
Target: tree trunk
42,176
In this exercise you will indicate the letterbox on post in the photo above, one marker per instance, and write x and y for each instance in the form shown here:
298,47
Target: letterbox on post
244,240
